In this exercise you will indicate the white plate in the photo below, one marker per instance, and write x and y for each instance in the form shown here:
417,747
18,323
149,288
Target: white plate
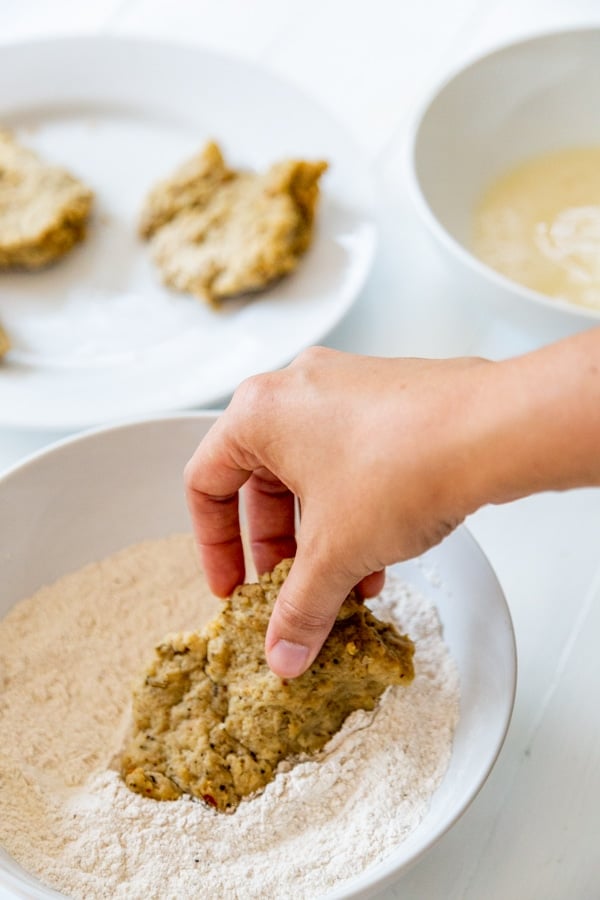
93,497
96,338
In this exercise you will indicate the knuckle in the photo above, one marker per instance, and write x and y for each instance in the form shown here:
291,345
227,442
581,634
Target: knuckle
254,396
188,475
312,357
248,394
193,470
297,618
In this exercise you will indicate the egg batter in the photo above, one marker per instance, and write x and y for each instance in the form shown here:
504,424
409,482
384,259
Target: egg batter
539,225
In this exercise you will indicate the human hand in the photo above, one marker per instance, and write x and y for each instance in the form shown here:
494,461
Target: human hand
375,450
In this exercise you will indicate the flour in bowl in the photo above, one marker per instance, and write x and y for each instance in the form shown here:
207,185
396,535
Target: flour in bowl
68,655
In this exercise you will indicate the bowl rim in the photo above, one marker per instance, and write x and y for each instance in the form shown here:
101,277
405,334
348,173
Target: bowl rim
80,436
392,873
390,870
415,189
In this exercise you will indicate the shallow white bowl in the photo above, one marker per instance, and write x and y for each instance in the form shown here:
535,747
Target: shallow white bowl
91,495
524,99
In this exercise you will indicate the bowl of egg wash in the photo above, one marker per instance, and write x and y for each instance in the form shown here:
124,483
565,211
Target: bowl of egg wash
505,170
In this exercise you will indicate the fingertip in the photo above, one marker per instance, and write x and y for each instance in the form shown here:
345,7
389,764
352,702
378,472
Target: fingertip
302,617
267,553
288,659
223,567
371,585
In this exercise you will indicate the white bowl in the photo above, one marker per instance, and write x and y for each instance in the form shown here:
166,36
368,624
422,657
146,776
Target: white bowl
91,495
524,99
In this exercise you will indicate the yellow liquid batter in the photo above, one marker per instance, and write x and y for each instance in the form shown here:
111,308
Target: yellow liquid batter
540,225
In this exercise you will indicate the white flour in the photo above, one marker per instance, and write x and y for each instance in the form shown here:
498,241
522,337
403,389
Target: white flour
67,656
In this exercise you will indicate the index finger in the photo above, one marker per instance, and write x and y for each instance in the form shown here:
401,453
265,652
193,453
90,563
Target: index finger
213,479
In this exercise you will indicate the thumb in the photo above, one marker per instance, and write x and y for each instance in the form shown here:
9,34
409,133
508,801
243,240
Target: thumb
303,615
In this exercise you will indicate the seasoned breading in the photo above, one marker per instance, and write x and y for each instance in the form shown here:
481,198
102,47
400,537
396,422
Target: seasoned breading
216,232
212,720
192,186
43,209
4,342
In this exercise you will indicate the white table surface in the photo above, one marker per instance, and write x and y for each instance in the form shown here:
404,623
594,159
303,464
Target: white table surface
534,830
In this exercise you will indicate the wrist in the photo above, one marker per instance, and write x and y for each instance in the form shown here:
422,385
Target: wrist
535,425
